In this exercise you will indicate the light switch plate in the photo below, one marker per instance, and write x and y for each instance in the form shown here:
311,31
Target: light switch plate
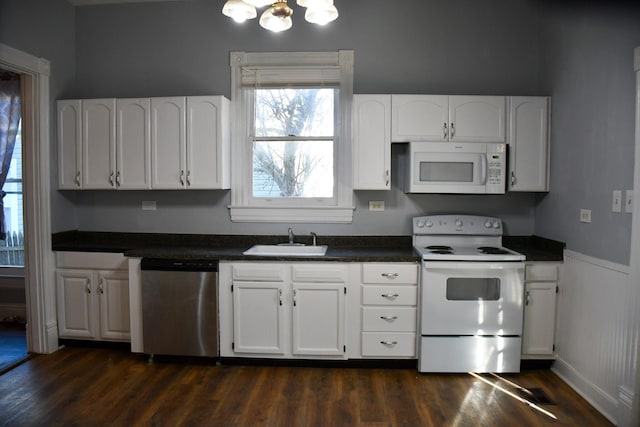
585,215
148,205
376,205
616,204
628,201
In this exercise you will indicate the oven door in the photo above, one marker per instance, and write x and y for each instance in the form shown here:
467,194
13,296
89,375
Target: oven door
472,298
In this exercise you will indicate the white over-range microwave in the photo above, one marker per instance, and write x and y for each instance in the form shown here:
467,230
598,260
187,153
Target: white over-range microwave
462,168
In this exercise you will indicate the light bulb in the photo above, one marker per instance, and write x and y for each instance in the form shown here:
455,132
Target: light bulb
238,10
314,3
277,18
321,15
259,3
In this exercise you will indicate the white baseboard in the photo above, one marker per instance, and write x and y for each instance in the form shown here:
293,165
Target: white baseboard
625,407
600,400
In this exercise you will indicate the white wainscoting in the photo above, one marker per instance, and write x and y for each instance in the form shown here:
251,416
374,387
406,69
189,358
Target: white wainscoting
596,332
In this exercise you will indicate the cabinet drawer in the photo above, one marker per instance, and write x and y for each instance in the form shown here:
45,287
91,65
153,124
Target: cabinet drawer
389,295
319,273
390,273
399,319
388,344
537,272
92,260
259,272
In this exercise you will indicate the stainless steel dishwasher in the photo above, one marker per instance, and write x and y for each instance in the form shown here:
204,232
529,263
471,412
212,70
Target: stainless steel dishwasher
180,307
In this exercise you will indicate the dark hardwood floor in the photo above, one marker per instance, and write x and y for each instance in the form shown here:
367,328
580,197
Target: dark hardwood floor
111,387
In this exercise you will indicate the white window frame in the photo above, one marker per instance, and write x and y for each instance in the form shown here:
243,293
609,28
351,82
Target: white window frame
245,208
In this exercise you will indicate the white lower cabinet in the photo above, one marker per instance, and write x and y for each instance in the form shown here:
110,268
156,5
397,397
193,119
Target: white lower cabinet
289,310
92,296
389,310
541,284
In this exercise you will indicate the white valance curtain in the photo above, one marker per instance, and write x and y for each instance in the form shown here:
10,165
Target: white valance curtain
10,111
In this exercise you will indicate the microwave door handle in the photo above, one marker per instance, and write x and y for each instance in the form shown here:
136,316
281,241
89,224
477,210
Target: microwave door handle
483,168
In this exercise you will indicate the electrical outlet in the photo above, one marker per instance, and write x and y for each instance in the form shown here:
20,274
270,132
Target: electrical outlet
376,205
585,215
616,204
148,205
628,201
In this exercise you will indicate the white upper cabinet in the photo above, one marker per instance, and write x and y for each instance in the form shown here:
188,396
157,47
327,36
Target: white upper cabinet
133,144
419,118
208,144
168,148
448,118
190,142
371,142
98,143
528,143
69,144
144,143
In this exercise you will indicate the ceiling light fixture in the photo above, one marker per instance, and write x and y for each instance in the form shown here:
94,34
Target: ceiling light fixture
277,17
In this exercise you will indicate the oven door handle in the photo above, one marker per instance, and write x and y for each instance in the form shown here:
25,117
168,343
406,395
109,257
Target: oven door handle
489,265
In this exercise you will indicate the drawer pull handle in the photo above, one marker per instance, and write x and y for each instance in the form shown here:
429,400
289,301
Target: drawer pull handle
390,296
389,342
389,318
390,275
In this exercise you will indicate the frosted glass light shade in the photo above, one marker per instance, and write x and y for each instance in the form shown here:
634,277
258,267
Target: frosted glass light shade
314,3
321,15
275,23
259,3
238,10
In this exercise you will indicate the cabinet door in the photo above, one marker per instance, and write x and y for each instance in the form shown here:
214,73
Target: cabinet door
113,292
168,137
76,315
477,118
528,143
69,144
98,144
207,142
318,319
539,318
133,148
419,118
371,142
258,317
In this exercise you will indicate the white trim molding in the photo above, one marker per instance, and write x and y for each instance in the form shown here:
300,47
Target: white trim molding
634,414
282,67
39,272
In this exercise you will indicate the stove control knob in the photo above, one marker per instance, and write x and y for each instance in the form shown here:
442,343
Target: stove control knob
496,224
458,223
487,224
420,224
429,224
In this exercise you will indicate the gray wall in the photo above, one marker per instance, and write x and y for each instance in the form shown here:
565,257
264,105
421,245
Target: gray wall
588,57
182,48
46,28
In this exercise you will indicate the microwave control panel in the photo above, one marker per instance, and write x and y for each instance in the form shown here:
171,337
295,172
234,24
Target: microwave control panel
495,172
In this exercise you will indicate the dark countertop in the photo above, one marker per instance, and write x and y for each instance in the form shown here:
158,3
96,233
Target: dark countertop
230,247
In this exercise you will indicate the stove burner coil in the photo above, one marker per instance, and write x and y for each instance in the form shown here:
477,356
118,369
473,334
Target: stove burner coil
491,250
439,248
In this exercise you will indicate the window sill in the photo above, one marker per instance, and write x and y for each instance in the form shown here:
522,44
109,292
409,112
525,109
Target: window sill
332,214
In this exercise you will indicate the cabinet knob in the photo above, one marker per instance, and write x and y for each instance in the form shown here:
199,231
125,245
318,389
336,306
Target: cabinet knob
182,178
390,275
386,176
118,183
389,342
390,296
389,318
78,179
453,130
445,130
528,298
513,178
111,183
88,286
188,178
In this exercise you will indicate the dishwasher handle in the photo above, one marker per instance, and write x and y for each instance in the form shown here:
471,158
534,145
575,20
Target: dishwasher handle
160,264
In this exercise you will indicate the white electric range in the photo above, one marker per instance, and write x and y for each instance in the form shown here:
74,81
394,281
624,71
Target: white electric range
471,295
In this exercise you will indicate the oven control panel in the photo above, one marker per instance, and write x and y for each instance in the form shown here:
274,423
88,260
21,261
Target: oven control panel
457,224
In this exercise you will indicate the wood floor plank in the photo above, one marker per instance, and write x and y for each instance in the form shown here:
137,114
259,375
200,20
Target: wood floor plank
109,387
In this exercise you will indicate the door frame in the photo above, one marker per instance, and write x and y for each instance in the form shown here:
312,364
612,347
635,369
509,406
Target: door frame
634,259
42,327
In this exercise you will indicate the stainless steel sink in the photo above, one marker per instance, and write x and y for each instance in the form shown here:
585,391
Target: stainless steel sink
286,250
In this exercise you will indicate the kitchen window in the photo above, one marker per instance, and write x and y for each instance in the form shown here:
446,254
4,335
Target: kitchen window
290,133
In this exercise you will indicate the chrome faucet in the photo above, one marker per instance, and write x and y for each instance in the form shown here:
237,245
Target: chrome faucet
290,231
314,238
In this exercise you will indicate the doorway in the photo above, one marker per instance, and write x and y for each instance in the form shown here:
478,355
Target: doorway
13,313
